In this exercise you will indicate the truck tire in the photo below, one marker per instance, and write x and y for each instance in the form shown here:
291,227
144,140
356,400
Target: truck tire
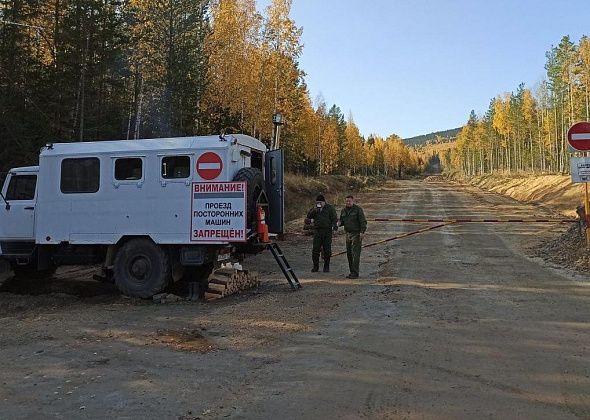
142,268
255,184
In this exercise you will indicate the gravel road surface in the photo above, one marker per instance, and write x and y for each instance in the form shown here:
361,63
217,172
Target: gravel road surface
458,322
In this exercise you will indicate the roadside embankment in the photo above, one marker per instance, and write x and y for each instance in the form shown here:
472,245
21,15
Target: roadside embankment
301,191
555,192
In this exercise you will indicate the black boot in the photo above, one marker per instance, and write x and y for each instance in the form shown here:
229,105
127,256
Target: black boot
316,265
327,265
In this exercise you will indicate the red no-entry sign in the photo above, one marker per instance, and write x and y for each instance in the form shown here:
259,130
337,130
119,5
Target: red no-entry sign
578,136
209,166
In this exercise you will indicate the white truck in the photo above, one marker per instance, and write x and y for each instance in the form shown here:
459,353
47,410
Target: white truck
150,211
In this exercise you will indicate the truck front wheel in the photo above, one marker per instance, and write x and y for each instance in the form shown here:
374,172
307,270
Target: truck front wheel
142,268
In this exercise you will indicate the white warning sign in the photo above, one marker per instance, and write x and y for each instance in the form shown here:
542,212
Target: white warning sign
580,169
218,212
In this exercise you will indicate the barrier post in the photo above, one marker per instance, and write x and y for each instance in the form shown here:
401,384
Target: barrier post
587,214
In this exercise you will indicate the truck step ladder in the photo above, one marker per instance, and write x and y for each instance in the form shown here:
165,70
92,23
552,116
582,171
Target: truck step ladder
290,275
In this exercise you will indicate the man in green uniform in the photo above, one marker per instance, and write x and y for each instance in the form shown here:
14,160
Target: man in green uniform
353,219
324,222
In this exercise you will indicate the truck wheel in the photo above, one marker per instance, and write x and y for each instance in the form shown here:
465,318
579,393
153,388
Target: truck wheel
255,182
29,271
142,268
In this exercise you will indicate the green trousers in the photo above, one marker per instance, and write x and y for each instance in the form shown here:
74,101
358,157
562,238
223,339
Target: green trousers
322,240
353,251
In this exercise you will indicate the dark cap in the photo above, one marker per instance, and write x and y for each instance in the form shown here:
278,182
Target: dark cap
320,198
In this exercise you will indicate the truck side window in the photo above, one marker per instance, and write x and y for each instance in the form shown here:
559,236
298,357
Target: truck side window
256,160
128,169
81,175
21,187
174,167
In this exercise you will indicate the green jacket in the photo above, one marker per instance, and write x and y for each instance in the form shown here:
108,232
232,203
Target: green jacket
325,218
353,219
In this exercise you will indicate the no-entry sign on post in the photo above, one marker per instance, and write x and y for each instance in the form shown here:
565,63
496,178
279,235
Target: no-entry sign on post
209,166
578,136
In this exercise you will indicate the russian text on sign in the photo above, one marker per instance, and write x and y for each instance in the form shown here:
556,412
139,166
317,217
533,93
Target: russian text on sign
218,204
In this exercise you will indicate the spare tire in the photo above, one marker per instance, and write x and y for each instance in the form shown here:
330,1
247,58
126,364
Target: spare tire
255,185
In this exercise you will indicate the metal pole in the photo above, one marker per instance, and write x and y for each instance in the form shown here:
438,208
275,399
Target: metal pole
587,213
273,136
278,137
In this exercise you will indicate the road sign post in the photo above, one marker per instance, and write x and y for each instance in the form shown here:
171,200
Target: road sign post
587,213
578,137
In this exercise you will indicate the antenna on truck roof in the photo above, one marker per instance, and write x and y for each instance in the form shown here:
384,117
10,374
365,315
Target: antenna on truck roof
225,130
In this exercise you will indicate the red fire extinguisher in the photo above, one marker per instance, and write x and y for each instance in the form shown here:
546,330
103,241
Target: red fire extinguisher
262,227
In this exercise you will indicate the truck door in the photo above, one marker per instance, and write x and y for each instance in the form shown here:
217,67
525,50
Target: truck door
17,223
274,180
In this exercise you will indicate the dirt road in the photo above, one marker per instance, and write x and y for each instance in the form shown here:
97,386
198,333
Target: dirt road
454,323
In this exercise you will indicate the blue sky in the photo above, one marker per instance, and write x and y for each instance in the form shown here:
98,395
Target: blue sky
411,67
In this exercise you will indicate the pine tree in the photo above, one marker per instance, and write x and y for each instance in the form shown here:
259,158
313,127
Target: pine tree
169,67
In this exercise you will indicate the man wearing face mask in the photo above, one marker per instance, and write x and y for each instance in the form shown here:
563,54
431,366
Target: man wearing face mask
324,223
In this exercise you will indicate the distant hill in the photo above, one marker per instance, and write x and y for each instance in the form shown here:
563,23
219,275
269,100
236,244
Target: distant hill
446,135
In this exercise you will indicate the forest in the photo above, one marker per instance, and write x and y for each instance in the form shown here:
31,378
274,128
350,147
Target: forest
92,70
433,138
525,130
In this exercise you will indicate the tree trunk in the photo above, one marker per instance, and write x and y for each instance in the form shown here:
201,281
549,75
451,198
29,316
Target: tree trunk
83,89
138,110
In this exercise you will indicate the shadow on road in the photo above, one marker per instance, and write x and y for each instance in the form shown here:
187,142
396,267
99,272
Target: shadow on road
74,281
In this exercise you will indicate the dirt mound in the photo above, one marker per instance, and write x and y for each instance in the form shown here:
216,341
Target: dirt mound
552,192
301,191
568,250
555,192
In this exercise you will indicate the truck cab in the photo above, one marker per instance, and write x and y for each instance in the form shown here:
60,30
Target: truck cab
17,214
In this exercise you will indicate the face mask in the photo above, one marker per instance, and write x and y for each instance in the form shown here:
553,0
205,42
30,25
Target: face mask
318,205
